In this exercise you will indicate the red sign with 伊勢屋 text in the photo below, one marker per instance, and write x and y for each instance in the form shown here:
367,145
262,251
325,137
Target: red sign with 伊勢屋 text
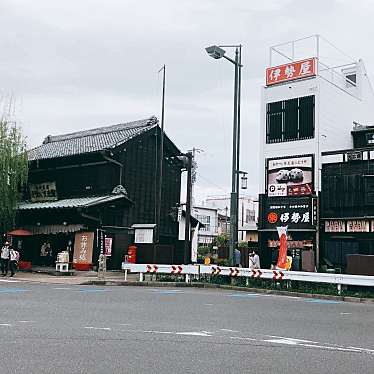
293,70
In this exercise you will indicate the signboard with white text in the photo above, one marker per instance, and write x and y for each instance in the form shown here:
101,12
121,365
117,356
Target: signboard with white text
43,192
292,71
296,213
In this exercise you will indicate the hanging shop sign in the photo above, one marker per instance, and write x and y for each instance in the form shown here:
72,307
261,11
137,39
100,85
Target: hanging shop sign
358,226
291,176
296,213
43,192
292,71
335,226
83,247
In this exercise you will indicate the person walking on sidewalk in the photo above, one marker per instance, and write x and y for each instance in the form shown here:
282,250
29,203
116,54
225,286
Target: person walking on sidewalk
4,258
13,261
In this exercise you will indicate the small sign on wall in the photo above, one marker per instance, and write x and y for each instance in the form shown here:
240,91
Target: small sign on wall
144,233
358,226
335,226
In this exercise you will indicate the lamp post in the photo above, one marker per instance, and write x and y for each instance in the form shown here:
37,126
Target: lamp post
217,52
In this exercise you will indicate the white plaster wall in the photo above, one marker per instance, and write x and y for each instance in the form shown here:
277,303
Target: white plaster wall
335,111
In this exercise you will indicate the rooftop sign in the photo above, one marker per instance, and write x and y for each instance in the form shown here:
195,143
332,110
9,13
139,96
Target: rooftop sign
292,71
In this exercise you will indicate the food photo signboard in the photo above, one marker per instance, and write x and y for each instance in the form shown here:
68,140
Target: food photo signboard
290,176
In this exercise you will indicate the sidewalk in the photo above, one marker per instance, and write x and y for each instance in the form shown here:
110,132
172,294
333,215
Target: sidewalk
46,275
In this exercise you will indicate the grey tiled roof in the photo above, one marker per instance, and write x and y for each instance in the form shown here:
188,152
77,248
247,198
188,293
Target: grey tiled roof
90,140
79,202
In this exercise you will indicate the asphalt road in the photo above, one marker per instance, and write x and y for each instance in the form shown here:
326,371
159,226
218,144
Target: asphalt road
46,328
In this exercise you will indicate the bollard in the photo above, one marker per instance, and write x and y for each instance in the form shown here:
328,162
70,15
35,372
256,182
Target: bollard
125,275
339,289
140,277
187,278
102,267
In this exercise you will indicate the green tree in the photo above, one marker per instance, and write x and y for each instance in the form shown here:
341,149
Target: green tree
13,171
222,240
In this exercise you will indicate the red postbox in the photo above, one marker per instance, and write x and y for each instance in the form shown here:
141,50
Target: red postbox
132,254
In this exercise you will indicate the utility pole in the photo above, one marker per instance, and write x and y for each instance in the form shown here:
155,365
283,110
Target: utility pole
187,231
194,150
161,159
226,209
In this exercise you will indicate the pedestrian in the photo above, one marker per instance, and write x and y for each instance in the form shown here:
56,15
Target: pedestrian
43,254
256,260
237,257
4,258
13,260
251,261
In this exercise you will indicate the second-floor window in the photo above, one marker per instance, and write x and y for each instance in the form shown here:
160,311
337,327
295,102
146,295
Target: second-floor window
205,220
290,120
250,216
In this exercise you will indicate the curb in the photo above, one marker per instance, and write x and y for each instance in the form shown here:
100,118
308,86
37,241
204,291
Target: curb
350,299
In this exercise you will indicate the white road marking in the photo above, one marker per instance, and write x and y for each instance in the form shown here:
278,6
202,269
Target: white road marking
25,321
334,348
228,330
125,324
281,341
345,314
158,332
9,281
363,349
292,339
6,324
62,288
98,328
209,304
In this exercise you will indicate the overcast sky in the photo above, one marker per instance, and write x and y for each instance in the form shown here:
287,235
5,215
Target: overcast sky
79,64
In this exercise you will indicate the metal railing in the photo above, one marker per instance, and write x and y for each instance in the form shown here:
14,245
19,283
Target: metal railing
276,275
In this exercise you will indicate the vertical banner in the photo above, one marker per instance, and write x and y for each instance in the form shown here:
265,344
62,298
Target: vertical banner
194,243
282,258
108,246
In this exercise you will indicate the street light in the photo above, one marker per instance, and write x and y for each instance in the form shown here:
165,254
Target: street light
244,180
218,52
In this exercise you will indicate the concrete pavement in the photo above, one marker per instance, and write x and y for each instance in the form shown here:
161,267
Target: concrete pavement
49,328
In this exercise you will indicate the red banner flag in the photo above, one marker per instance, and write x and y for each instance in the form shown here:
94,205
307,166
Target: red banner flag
282,258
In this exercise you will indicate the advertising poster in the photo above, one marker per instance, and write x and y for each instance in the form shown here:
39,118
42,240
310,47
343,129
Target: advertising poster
83,247
292,176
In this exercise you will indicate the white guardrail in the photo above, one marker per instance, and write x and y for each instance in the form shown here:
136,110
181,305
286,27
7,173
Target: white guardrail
278,275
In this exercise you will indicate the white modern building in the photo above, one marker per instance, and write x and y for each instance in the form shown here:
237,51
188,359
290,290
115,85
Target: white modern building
247,214
313,95
209,217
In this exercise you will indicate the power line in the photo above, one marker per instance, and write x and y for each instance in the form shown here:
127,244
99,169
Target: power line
212,183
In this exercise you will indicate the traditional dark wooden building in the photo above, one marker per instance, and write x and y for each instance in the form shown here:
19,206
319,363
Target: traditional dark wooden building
347,205
94,185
